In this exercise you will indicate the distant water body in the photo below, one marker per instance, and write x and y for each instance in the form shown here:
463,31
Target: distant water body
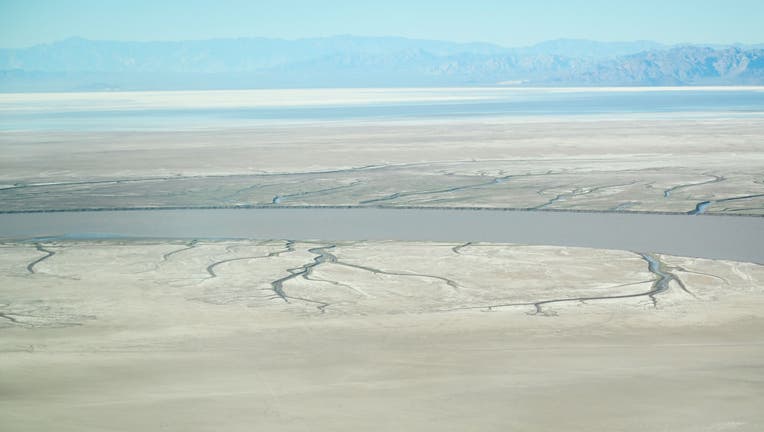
190,110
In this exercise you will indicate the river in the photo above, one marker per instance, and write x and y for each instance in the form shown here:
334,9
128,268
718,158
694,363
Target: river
715,237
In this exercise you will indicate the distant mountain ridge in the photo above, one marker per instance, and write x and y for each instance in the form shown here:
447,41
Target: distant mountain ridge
77,64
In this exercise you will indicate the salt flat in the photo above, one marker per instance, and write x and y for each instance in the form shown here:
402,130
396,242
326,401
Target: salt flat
289,147
148,334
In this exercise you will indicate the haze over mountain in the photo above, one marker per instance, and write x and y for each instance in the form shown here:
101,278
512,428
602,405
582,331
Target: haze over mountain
77,64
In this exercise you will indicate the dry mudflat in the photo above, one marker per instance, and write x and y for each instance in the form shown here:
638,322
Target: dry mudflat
276,335
589,163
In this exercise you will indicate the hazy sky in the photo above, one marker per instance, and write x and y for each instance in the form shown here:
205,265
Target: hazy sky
510,23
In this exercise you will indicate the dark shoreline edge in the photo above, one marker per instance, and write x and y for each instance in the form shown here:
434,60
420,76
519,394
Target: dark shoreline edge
352,207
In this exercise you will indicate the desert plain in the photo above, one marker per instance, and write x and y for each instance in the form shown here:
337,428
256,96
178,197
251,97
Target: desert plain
207,333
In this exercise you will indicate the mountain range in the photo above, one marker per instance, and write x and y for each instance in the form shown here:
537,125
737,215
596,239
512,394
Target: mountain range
78,64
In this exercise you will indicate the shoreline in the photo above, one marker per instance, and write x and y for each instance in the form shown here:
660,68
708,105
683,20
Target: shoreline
361,207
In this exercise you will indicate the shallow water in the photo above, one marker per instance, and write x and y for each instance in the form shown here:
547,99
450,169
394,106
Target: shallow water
715,237
172,110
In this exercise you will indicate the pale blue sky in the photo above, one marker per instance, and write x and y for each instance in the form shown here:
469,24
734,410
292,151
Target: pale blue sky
510,23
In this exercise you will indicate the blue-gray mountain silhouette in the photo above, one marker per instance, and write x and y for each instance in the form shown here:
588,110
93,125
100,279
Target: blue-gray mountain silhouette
347,61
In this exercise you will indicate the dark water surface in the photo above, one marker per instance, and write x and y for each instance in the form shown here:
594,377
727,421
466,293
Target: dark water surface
716,237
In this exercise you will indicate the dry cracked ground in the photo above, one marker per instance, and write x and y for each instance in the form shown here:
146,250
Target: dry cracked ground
284,335
620,164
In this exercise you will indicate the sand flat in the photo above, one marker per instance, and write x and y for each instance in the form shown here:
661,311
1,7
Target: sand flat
125,335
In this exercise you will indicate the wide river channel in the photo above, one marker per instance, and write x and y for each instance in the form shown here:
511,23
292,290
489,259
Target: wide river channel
716,237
